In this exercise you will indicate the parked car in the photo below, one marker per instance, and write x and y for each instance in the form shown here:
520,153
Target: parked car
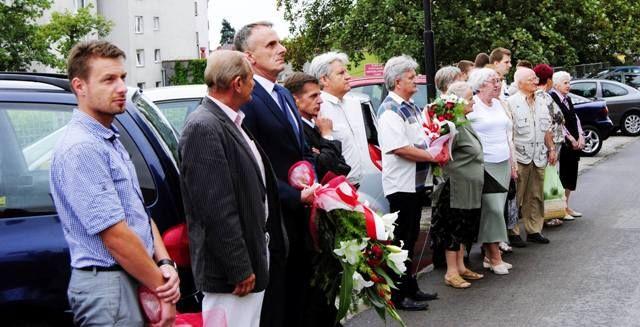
615,70
34,256
593,114
623,101
596,124
631,79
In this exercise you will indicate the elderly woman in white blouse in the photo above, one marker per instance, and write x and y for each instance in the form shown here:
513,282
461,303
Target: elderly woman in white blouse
492,124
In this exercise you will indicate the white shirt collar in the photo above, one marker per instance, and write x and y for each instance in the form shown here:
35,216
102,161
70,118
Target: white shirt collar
309,122
233,115
396,97
265,83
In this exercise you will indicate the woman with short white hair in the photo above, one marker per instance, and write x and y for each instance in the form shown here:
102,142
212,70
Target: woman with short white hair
494,127
573,138
445,76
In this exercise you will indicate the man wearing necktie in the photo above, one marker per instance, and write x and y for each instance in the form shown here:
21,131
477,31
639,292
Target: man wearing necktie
273,119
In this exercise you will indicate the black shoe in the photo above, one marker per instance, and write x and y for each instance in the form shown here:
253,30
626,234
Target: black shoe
537,238
422,296
408,304
516,242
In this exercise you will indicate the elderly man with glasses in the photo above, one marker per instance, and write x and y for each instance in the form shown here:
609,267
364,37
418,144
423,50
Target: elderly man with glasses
534,147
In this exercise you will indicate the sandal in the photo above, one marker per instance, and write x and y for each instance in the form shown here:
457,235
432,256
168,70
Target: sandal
471,275
553,222
456,282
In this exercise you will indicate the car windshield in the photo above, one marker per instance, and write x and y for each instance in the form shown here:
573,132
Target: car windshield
177,110
159,125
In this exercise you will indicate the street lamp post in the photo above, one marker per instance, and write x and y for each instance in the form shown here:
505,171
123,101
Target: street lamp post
429,52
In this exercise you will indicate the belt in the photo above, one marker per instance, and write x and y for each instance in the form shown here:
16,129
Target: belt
98,268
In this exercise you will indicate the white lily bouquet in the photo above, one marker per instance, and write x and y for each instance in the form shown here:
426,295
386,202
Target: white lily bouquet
354,244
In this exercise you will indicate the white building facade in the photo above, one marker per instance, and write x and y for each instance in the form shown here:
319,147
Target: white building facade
150,31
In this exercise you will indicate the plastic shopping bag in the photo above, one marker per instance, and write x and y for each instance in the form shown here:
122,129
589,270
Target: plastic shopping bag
554,200
552,186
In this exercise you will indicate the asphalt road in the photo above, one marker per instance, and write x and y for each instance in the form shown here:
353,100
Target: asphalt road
589,275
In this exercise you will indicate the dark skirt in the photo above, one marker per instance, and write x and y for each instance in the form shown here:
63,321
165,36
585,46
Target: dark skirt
569,167
451,227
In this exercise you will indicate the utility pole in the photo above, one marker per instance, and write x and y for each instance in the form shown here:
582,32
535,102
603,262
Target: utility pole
429,52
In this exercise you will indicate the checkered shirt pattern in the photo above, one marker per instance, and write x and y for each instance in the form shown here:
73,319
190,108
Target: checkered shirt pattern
94,186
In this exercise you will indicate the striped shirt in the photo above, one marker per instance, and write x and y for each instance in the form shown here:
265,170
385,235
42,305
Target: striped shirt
94,186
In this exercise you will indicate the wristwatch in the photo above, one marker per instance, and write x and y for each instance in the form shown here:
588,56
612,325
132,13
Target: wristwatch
167,262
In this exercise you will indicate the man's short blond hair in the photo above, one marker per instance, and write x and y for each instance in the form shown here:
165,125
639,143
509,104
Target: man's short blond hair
223,66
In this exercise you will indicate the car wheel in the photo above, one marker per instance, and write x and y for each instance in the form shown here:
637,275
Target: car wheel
592,141
631,124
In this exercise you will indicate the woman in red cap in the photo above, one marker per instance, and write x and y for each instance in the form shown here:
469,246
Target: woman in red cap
545,76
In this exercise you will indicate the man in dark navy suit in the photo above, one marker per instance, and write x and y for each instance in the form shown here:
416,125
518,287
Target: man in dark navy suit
272,117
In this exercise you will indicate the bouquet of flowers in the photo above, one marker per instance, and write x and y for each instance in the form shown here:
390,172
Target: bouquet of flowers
441,119
353,242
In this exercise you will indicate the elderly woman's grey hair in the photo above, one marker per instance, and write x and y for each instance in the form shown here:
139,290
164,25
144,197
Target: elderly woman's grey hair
560,77
459,88
240,41
319,66
445,76
395,67
479,77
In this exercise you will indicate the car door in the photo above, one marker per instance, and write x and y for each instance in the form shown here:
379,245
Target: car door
617,99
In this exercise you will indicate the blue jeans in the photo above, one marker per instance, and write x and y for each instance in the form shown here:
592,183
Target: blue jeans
107,298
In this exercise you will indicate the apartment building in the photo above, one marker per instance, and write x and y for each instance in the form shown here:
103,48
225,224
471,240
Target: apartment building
151,31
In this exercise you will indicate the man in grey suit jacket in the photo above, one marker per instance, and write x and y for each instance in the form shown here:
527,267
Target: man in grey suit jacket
229,193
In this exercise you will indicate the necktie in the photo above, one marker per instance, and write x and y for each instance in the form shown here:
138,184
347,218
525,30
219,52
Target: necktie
283,106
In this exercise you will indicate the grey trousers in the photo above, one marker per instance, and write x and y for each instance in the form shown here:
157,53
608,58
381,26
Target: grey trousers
107,298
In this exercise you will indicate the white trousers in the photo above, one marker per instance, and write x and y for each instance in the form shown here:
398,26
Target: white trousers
228,310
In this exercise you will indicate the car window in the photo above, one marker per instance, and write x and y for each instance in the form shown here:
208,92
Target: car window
585,89
615,77
420,98
612,90
576,99
176,111
29,133
374,91
160,126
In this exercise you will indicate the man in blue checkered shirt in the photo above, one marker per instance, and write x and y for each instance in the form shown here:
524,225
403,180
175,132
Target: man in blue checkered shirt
113,243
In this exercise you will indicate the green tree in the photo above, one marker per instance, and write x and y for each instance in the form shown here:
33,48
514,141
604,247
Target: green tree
557,32
68,28
19,44
227,33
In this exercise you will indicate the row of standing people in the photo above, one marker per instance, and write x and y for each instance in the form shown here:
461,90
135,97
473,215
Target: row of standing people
518,135
248,234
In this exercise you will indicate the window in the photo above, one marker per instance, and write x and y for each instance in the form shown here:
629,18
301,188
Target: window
140,57
139,25
585,89
176,111
79,4
162,129
142,85
374,91
158,84
195,6
156,56
29,133
612,90
156,23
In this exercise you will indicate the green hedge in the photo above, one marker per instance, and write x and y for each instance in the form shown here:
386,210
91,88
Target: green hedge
189,72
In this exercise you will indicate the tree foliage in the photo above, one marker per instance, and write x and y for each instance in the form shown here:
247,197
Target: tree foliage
227,33
557,32
19,45
23,41
68,28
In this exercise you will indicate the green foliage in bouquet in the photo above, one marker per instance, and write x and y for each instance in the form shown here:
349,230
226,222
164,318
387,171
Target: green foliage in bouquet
351,266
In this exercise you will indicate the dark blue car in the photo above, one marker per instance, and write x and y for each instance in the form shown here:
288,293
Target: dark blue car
596,124
34,258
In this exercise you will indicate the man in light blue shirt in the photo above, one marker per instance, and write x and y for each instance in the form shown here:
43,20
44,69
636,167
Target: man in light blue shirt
112,241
